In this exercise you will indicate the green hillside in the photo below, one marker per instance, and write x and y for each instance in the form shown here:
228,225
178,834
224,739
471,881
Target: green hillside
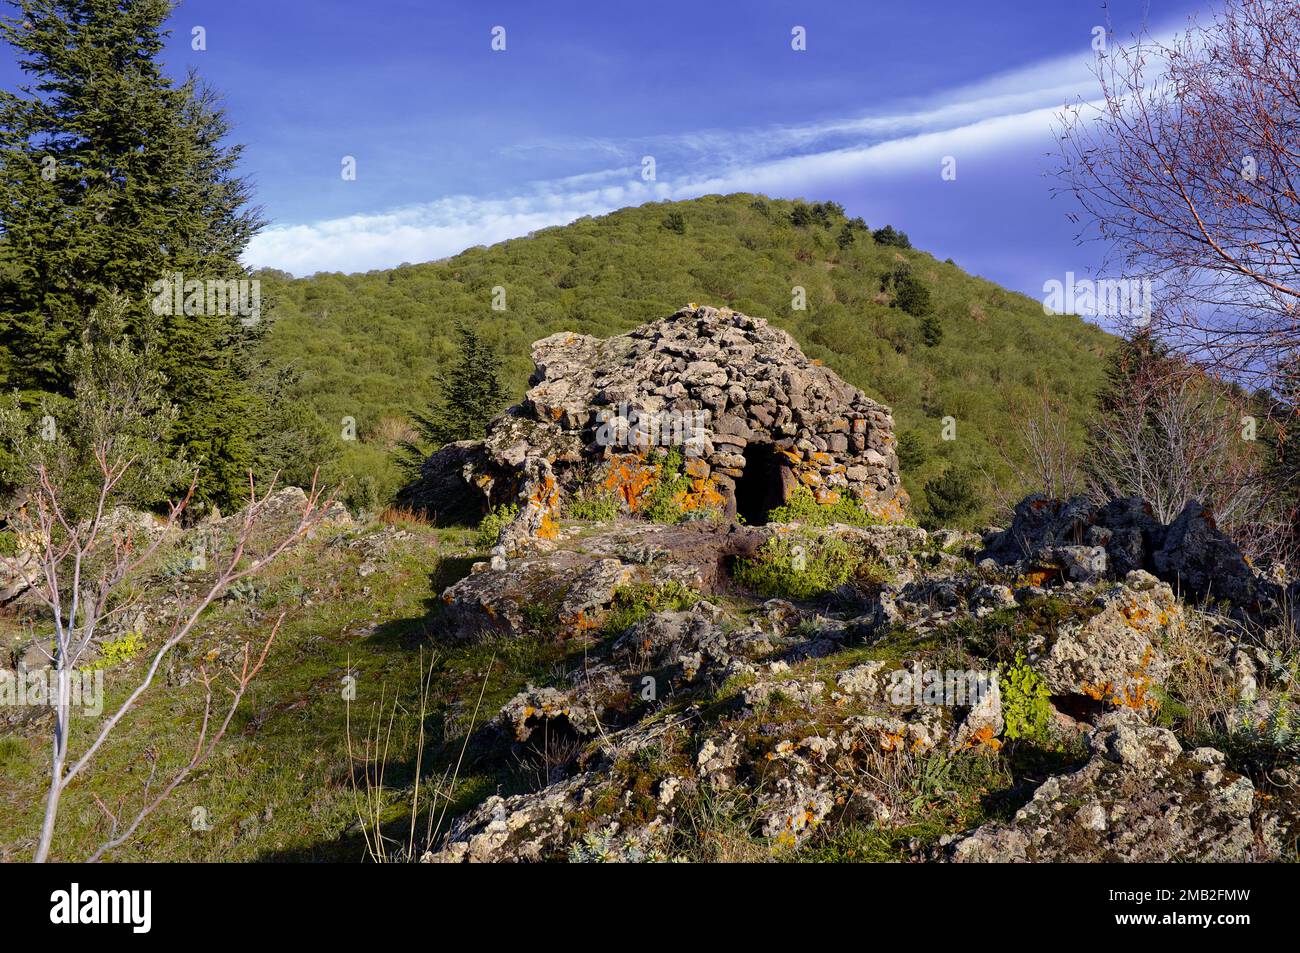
367,346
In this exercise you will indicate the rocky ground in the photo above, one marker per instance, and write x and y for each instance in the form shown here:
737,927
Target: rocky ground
1085,685
719,719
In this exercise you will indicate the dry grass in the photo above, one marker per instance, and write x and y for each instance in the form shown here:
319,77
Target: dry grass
396,516
1206,693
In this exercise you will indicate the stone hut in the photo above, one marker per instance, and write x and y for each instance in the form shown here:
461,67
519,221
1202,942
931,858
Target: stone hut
749,416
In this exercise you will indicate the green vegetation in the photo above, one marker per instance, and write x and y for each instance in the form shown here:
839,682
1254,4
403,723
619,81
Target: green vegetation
803,508
121,649
951,497
490,528
799,567
470,395
116,400
372,346
635,602
116,178
280,784
666,500
593,506
1025,704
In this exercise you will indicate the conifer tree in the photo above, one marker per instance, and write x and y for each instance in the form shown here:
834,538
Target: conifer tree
470,396
114,177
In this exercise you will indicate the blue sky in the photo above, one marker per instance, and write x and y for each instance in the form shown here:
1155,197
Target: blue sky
458,145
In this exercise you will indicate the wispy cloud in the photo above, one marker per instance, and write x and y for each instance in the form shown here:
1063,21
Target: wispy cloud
1000,112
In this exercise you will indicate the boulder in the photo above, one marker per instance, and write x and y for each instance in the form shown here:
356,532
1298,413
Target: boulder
1139,798
1203,562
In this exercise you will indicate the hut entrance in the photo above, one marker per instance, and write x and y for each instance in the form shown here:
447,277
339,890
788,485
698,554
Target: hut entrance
759,487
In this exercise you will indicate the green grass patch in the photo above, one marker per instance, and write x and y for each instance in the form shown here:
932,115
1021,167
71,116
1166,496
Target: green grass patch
798,567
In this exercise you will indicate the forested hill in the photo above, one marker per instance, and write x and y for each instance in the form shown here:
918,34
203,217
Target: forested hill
917,333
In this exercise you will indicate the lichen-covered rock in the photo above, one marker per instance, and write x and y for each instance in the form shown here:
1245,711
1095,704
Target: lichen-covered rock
546,709
528,594
1139,798
570,589
1112,654
1078,541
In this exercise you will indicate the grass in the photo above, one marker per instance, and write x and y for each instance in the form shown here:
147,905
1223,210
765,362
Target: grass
280,786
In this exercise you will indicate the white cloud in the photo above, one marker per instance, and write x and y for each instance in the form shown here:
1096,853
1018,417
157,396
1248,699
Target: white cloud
785,160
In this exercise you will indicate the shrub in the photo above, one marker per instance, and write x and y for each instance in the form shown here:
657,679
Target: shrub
8,542
802,507
798,568
912,451
490,528
675,497
951,496
597,507
661,504
121,649
891,237
913,297
633,603
931,330
675,222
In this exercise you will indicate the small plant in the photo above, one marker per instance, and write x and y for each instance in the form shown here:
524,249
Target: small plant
490,528
596,507
245,591
635,602
1025,706
661,505
121,649
798,568
12,751
604,847
177,565
8,543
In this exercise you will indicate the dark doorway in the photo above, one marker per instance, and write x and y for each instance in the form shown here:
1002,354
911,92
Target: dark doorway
759,488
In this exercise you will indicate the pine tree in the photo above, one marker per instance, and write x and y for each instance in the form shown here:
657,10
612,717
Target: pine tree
114,178
470,396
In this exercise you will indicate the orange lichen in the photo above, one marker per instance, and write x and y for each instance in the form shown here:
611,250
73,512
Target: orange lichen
984,738
631,478
703,494
1135,694
892,510
547,498
826,497
1038,577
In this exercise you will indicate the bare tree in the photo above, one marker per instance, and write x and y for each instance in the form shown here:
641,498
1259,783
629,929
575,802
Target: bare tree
1189,166
1166,431
80,566
1039,451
